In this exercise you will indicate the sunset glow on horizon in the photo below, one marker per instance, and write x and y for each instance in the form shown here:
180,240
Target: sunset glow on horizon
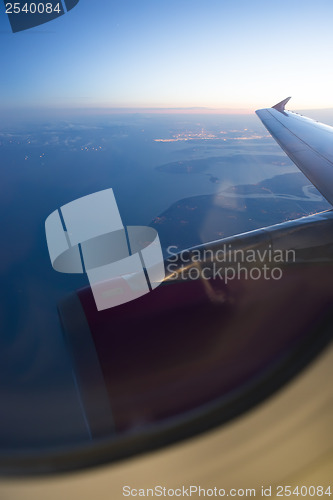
215,57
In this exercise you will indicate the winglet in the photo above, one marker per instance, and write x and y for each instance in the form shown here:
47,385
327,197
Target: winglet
281,105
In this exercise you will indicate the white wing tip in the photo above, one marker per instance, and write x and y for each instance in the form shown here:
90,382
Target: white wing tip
280,106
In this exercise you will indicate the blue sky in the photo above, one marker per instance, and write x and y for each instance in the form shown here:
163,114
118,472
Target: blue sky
236,54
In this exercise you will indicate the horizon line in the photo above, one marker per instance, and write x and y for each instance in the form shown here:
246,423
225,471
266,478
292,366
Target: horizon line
144,110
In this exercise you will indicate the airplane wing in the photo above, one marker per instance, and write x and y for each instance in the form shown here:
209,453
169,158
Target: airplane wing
308,143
